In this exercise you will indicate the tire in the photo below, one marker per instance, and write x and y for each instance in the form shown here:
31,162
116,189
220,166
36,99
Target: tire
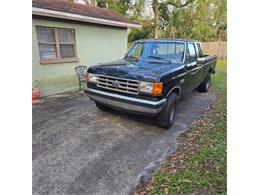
204,86
102,107
167,116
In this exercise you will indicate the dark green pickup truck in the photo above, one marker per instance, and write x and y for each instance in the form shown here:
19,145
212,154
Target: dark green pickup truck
151,78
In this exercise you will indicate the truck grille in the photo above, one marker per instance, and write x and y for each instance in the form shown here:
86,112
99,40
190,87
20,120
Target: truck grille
118,84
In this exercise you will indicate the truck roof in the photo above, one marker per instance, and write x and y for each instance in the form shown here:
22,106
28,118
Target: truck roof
167,39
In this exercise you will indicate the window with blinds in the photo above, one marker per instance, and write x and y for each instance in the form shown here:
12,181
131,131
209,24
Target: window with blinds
56,44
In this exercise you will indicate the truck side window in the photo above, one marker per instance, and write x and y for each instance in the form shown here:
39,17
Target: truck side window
192,52
199,50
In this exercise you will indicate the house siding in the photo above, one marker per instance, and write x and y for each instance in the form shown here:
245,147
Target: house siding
95,44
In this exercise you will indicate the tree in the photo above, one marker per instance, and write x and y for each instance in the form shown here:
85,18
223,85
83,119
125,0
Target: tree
156,17
120,6
204,20
137,9
145,32
220,16
92,2
156,5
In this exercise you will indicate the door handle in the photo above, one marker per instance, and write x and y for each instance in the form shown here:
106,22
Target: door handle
191,64
193,71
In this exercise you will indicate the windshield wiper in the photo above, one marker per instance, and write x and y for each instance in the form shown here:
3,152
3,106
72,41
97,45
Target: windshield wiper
159,58
133,57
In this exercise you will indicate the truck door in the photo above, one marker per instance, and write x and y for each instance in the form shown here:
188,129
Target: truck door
193,69
201,69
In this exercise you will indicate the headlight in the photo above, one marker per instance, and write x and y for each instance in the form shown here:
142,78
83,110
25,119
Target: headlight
146,87
91,77
150,88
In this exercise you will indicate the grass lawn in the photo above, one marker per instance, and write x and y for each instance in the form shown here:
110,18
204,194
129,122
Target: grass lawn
199,165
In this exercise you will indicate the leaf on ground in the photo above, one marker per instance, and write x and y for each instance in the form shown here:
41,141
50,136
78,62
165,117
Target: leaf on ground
186,181
166,190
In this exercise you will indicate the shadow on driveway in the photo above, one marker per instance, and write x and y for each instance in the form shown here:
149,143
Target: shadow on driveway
78,149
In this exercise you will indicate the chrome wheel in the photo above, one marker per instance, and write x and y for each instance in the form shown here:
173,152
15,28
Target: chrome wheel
208,84
172,112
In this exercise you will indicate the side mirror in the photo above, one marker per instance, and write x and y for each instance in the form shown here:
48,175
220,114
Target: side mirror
200,60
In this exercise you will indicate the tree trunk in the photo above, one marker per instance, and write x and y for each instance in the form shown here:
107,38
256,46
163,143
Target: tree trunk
156,17
91,2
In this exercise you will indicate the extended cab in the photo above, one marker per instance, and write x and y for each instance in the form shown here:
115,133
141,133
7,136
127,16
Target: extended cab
151,78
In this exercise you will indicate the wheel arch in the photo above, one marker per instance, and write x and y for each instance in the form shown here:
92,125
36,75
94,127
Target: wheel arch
176,89
211,70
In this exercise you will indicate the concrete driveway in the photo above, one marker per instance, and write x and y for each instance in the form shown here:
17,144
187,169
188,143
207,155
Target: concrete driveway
78,149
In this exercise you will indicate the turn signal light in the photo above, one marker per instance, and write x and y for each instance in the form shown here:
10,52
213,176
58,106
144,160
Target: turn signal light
157,88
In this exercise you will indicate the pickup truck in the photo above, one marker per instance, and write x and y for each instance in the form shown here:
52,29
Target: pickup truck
151,78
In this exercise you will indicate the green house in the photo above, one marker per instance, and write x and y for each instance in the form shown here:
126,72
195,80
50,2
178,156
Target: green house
66,35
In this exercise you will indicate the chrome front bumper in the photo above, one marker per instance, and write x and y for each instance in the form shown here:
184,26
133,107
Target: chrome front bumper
126,103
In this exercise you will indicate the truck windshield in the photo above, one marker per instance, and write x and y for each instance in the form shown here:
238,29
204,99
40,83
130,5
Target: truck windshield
166,51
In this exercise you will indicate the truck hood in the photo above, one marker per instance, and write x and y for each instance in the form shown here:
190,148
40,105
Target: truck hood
142,69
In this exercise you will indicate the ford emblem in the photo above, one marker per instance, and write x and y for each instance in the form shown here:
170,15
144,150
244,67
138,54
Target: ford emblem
114,83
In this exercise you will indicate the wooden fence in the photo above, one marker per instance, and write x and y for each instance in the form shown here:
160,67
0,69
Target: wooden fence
218,48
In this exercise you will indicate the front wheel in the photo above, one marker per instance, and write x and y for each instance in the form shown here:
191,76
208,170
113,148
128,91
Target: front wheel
167,116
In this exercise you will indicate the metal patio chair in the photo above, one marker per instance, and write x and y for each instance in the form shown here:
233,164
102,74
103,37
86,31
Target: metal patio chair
81,73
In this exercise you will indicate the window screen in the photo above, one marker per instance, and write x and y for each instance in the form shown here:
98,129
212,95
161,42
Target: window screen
56,43
47,44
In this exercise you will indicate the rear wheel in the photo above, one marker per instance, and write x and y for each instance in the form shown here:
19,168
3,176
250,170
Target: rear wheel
102,107
204,86
167,116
